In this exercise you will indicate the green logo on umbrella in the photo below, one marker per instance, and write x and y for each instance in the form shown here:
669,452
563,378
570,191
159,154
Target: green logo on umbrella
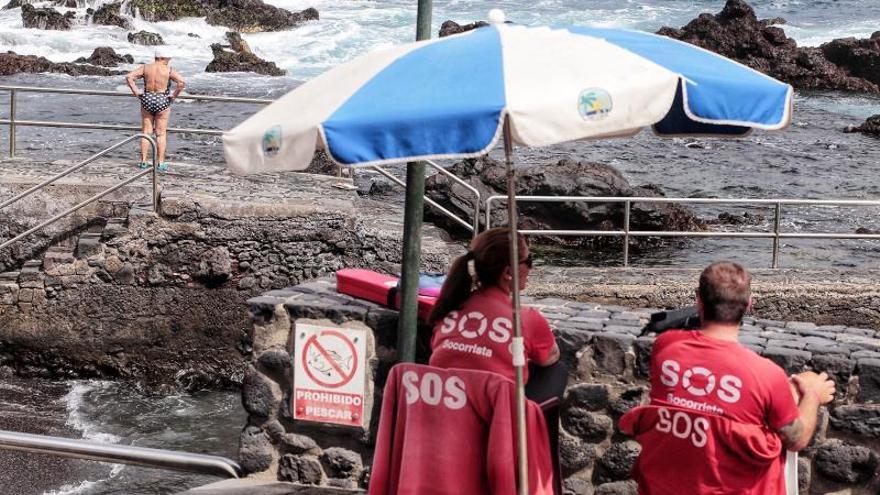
272,141
594,104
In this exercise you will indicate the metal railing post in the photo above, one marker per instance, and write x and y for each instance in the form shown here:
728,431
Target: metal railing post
11,123
138,456
155,148
489,212
626,209
776,236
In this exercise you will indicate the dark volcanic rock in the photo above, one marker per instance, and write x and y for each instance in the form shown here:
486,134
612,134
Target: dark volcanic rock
845,463
871,126
254,16
12,63
589,427
859,419
342,463
306,470
237,57
451,27
108,15
46,18
565,178
860,58
145,38
106,57
255,450
738,34
14,4
617,462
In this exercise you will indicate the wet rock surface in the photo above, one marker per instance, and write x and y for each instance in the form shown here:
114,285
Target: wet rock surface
12,63
105,57
254,16
237,57
450,27
871,126
108,15
46,18
564,178
145,38
248,16
736,32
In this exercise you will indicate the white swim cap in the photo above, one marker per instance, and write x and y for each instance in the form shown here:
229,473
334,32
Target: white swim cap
162,53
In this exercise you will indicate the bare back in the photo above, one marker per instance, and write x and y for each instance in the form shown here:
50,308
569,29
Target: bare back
156,77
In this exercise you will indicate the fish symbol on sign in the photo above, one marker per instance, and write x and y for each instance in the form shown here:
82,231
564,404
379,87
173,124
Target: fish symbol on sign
319,363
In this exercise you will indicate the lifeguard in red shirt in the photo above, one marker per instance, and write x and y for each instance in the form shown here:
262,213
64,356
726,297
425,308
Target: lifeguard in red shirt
720,415
473,318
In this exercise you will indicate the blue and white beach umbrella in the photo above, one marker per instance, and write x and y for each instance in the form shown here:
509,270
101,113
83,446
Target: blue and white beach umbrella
448,97
455,97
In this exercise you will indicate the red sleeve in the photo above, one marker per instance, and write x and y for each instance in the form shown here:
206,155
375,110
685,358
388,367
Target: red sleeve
539,339
781,407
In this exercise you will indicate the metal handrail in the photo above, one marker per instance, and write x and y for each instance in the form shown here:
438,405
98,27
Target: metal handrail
463,183
150,170
14,122
626,232
475,228
120,454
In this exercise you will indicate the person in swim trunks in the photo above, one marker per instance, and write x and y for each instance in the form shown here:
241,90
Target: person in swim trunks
156,99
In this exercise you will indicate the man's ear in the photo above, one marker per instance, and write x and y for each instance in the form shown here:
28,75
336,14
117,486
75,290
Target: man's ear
506,274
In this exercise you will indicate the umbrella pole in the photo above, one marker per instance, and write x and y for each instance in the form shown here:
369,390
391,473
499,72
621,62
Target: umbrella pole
518,347
412,229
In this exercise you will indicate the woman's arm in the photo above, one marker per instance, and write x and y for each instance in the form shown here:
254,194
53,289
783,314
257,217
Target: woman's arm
179,83
131,77
552,358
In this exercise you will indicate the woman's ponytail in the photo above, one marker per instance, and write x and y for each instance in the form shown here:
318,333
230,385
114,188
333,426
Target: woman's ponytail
456,289
490,252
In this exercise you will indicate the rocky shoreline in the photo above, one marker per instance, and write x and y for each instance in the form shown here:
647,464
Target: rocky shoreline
242,16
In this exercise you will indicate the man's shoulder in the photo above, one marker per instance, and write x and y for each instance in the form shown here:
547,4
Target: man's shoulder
670,336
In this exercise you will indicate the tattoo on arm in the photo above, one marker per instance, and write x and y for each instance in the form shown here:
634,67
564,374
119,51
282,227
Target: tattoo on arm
791,433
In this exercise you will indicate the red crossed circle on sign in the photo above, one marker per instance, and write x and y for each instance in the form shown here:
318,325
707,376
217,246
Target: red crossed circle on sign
343,376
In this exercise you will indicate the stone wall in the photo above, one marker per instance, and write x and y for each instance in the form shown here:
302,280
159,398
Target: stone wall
120,291
608,362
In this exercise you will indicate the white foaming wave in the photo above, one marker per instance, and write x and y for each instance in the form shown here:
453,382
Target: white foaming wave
73,489
814,35
78,419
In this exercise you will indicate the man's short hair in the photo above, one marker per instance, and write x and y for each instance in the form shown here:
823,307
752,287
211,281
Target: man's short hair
725,292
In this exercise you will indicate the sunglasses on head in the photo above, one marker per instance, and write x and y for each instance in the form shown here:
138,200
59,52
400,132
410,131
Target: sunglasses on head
528,261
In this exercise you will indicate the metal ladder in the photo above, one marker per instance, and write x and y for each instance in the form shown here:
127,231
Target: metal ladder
151,170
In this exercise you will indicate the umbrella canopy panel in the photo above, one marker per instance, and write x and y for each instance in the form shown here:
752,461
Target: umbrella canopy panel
447,98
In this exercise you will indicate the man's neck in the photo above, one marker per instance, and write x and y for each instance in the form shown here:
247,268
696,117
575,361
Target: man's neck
721,331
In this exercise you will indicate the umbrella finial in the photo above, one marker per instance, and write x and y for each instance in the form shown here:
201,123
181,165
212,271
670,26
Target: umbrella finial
496,16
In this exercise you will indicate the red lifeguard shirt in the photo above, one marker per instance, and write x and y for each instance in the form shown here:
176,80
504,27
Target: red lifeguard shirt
693,373
478,336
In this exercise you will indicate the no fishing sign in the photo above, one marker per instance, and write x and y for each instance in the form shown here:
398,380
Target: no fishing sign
329,374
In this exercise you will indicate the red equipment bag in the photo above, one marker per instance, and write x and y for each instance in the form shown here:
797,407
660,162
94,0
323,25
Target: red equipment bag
378,288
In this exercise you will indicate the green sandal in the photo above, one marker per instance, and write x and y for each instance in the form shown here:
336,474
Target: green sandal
143,165
163,167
